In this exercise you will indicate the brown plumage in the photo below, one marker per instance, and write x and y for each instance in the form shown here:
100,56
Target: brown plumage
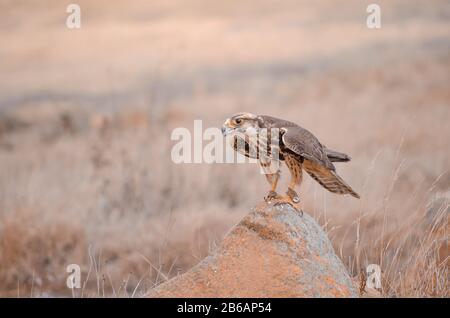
294,145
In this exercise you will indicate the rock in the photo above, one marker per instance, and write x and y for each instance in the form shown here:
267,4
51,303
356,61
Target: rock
271,252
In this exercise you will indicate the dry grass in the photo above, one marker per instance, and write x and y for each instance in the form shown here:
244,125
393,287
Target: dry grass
85,123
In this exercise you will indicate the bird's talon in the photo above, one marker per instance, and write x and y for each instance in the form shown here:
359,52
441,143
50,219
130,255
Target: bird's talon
270,196
293,196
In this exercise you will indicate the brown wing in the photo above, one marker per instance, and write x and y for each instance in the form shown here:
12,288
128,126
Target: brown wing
303,143
273,122
316,162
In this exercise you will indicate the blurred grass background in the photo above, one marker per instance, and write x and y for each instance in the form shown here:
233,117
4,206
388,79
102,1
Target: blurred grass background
86,116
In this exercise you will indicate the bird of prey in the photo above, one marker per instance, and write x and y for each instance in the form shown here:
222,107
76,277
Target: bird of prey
288,142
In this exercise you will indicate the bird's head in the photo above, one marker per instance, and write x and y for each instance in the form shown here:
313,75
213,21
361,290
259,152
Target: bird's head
243,123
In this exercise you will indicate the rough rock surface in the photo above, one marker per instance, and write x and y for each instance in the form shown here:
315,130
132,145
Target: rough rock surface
271,252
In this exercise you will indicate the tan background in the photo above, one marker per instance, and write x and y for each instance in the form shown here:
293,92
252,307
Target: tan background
86,116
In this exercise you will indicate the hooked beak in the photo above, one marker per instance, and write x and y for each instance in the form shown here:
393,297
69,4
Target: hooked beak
226,130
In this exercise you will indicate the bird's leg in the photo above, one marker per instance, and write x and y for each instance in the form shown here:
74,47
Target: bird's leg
272,178
296,178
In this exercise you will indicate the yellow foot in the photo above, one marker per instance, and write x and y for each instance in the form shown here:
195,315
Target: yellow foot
285,199
293,195
272,195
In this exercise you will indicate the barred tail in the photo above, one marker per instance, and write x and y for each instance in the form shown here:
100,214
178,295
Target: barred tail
328,179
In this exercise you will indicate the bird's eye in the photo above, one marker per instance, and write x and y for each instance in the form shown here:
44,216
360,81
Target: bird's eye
238,121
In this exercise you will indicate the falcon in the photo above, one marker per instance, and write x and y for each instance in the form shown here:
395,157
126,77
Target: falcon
285,141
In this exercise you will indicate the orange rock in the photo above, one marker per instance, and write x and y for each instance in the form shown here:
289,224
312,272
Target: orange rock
272,252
